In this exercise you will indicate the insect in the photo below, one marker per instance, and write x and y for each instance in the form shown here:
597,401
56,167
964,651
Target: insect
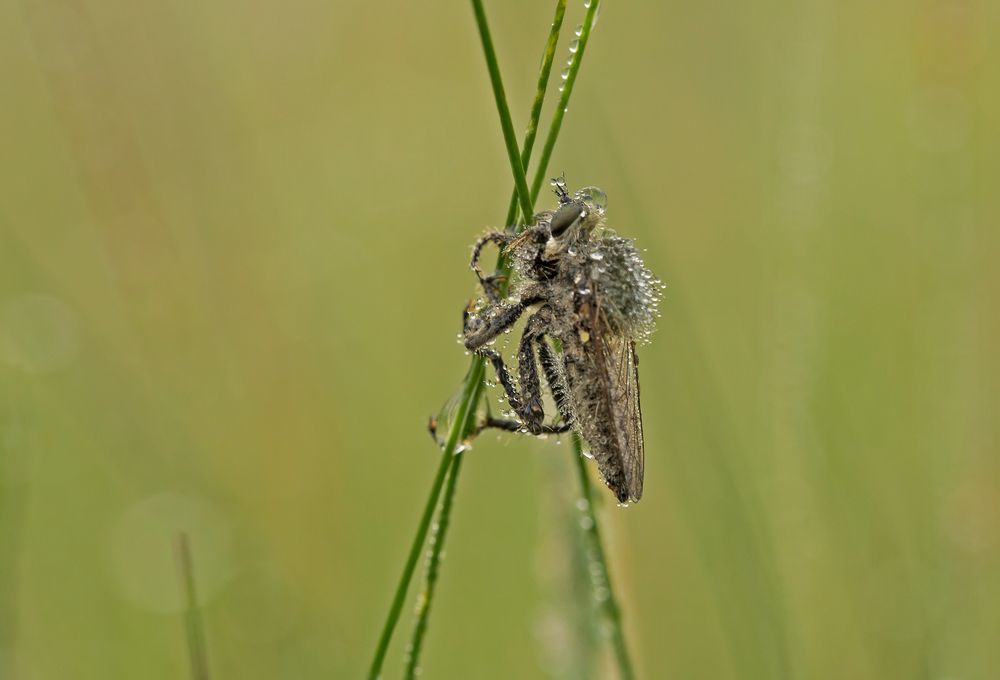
587,289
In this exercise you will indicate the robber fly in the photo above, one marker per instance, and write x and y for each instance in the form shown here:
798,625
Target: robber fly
587,289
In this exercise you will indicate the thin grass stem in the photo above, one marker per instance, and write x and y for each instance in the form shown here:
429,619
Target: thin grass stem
603,592
433,566
473,384
197,650
471,391
536,106
444,515
509,137
567,89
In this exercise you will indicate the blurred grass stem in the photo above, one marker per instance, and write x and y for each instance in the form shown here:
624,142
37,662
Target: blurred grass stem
598,567
197,650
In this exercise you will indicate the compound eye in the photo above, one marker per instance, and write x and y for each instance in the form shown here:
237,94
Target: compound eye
565,217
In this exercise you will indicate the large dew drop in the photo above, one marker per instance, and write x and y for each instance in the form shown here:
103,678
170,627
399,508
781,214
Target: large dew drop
594,197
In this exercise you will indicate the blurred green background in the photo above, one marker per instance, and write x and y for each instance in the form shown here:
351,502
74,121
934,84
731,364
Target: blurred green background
233,246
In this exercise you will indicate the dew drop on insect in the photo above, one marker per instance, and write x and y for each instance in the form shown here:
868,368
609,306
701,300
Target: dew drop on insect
574,46
588,454
565,74
594,197
597,255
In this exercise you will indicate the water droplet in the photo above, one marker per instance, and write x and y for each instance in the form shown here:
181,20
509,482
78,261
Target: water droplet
574,46
597,255
586,523
565,74
588,454
594,197
579,30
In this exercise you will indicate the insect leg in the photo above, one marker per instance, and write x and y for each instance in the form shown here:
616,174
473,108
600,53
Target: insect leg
527,403
480,328
550,366
515,426
489,283
531,412
557,385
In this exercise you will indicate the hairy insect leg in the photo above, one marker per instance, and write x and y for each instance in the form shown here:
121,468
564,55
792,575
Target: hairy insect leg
490,283
557,385
516,426
479,329
527,403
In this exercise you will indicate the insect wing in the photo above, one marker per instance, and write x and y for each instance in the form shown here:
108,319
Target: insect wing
618,366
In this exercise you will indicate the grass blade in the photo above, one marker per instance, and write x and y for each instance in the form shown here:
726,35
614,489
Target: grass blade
192,614
598,564
473,385
444,516
471,391
567,90
509,138
433,566
536,105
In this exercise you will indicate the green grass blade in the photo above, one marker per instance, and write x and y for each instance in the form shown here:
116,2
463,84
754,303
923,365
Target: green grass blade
600,576
536,106
572,70
197,650
444,516
509,138
473,385
433,566
471,391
